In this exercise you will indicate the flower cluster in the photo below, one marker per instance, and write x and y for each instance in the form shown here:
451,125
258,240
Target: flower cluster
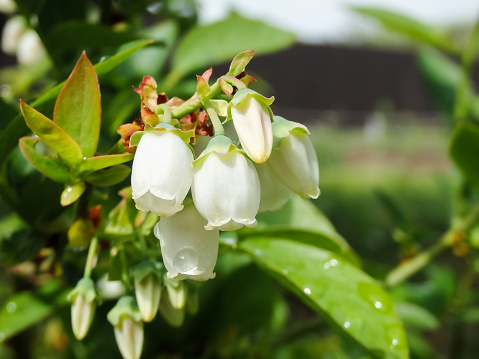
196,195
229,183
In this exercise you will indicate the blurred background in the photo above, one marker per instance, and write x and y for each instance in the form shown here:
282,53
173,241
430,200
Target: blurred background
377,94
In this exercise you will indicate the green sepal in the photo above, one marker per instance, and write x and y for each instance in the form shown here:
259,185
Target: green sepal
220,106
86,288
221,145
71,193
282,128
162,127
146,267
126,307
243,94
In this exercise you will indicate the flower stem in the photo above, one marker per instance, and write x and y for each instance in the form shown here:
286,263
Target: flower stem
407,269
166,113
217,126
194,103
92,252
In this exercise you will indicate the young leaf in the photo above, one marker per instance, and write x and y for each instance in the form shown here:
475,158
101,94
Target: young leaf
78,108
337,290
53,135
71,193
16,128
464,151
51,167
100,162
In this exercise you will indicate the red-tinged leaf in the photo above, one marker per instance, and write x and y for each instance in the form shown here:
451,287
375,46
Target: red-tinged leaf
109,176
52,135
51,167
78,108
100,162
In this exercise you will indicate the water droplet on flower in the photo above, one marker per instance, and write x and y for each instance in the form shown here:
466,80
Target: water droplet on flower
347,325
11,307
333,262
307,291
2,337
186,260
378,305
327,265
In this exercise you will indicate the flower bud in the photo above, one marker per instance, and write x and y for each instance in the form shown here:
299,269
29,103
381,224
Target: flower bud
162,171
13,30
175,317
128,327
293,159
252,120
225,188
188,250
274,194
177,292
147,277
83,299
30,48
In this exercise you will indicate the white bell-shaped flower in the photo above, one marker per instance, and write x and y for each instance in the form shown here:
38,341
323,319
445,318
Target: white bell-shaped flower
188,250
162,172
293,159
274,194
225,188
252,121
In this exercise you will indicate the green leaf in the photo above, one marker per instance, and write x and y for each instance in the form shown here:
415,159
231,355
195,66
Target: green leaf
52,135
303,215
67,37
108,177
411,28
71,193
51,167
17,128
464,151
22,311
205,46
100,162
337,290
78,107
417,316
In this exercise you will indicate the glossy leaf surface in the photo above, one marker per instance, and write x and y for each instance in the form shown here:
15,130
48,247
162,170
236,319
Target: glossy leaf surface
78,107
109,176
100,162
51,167
337,290
52,135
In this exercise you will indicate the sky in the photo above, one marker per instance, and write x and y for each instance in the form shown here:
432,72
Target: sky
320,21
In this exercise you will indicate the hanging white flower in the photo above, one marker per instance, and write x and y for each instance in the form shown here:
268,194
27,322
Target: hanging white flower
293,159
225,187
162,170
188,250
252,120
274,194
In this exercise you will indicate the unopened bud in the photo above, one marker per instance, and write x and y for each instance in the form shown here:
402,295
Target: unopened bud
126,320
147,289
83,299
177,292
174,317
